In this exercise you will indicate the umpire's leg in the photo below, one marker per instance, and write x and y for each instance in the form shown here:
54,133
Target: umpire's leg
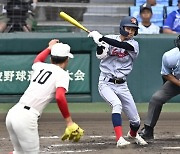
167,91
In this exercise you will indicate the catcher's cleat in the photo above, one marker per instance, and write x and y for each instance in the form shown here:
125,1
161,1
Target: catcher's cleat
147,132
122,142
138,139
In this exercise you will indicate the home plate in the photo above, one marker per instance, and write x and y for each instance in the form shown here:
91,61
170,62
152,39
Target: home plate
171,148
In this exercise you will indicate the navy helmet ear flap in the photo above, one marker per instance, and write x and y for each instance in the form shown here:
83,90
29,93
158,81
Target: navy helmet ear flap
136,32
123,32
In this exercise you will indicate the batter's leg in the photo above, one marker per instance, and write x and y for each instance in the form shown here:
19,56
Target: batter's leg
129,108
167,91
108,94
111,98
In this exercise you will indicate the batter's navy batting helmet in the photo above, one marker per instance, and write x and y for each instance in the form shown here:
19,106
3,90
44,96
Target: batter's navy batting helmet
177,42
128,22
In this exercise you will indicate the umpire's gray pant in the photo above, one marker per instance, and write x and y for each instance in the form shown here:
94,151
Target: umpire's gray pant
167,91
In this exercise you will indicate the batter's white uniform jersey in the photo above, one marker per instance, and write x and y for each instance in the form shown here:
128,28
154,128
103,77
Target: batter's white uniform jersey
152,29
44,81
118,64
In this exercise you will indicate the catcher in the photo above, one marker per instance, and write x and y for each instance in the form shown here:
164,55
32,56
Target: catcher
48,81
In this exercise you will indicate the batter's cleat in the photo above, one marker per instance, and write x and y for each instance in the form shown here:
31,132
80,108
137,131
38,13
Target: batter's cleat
138,139
122,142
147,132
10,152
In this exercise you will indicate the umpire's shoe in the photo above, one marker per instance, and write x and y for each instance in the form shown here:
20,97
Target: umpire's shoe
147,132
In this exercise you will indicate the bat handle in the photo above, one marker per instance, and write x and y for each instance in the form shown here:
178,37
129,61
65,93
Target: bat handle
87,31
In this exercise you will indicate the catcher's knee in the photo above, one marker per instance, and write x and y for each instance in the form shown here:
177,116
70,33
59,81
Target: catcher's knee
117,108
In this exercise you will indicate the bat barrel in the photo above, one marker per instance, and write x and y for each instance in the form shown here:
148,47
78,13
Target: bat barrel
72,21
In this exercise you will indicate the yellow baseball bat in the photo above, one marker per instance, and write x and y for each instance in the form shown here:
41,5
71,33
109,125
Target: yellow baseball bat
73,21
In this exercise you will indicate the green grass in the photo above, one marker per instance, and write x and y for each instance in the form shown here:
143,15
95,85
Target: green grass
94,107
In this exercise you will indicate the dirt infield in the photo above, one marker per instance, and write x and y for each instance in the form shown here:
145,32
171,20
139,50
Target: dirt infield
99,135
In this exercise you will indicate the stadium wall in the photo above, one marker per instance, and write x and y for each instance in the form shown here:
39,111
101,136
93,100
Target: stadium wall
19,49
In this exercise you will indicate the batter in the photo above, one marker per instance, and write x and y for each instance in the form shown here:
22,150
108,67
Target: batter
117,54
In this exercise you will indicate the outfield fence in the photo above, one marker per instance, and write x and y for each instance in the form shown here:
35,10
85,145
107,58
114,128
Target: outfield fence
17,51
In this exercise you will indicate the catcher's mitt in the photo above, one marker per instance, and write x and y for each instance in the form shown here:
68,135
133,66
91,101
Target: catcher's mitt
73,132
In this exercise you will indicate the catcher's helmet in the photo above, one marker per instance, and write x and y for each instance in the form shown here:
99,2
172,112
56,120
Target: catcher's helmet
129,22
177,42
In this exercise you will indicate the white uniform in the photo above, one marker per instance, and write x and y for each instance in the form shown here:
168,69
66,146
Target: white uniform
119,64
152,29
45,79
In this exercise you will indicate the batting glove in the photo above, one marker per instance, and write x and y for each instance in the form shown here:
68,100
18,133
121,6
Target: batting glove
96,36
73,132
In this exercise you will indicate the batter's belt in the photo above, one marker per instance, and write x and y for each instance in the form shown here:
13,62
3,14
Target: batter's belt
117,80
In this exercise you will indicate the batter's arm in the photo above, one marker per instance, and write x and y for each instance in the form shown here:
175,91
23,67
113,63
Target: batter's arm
99,50
172,79
118,44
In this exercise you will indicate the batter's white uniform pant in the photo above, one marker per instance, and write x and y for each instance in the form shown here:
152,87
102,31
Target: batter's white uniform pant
22,126
120,98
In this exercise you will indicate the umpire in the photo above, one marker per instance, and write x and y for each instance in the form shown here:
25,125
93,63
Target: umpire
170,72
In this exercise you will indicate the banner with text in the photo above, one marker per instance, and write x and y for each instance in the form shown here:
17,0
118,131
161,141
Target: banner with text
15,73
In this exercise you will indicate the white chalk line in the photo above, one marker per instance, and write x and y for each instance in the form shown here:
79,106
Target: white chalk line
89,150
69,151
72,144
98,143
77,144
49,137
171,148
98,136
57,137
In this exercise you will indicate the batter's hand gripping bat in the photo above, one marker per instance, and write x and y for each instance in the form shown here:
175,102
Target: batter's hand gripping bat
73,21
